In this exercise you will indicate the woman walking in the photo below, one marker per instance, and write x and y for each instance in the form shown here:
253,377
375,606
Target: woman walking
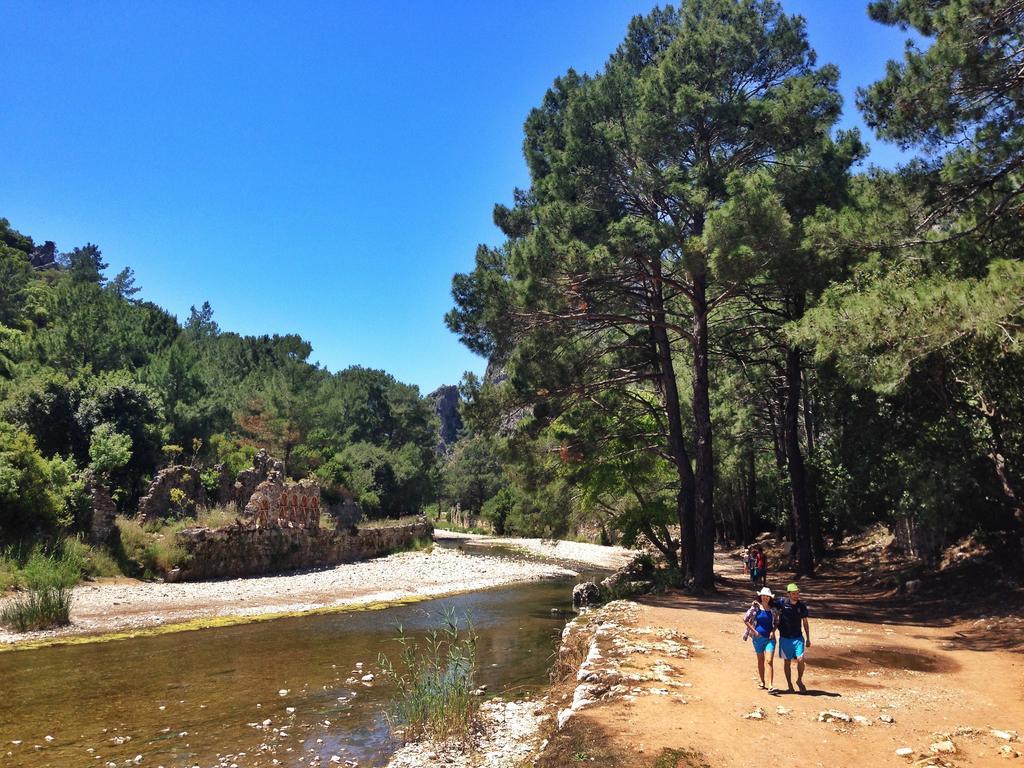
762,628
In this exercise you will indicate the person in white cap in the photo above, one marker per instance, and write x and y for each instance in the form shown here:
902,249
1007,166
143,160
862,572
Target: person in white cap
762,628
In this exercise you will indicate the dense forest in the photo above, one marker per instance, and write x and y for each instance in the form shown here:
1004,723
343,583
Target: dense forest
710,317
93,379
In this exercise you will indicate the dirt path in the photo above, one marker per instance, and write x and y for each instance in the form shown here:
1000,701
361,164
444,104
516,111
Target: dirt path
872,656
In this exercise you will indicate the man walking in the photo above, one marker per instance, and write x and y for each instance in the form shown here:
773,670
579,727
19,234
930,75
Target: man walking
793,628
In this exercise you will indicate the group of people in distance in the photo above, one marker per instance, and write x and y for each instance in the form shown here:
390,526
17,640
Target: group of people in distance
772,618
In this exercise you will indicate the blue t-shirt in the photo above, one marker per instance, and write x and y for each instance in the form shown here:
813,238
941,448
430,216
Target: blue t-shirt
765,622
790,617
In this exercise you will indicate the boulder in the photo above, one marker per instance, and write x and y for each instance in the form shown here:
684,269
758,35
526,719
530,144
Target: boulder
586,594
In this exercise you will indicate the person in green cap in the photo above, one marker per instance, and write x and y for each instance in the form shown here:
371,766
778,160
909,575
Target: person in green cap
793,628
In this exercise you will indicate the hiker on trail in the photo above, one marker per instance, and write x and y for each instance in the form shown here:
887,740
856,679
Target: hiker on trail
762,629
761,564
789,552
793,628
749,563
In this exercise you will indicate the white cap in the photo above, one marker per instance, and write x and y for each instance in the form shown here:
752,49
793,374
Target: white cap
765,592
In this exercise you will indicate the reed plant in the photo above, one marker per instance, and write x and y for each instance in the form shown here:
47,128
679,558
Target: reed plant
45,600
434,681
38,607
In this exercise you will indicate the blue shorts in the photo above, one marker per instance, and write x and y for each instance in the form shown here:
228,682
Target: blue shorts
791,647
763,644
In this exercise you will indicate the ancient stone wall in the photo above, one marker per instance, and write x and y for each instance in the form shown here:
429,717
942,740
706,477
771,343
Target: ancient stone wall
102,527
248,551
264,467
157,504
276,502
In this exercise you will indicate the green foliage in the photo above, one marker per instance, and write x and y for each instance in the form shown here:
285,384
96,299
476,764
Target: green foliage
109,450
38,608
434,678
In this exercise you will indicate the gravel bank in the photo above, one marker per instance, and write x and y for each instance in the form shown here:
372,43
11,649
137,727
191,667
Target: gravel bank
126,605
509,733
575,552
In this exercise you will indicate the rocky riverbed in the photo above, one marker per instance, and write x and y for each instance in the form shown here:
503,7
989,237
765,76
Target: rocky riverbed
124,605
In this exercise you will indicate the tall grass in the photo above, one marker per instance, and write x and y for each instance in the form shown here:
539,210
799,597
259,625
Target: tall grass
152,549
38,607
434,681
46,578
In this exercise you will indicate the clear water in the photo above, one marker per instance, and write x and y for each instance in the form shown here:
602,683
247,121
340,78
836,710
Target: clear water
193,698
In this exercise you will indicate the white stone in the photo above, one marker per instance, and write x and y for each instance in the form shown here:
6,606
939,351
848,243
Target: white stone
283,692
832,714
904,752
946,747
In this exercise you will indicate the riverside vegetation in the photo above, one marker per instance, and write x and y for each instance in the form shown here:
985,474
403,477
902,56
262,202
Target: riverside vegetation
435,696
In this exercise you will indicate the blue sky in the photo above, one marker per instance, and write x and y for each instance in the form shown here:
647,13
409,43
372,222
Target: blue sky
321,168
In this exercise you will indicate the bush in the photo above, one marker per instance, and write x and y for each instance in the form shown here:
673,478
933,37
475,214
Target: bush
39,607
153,551
46,601
435,685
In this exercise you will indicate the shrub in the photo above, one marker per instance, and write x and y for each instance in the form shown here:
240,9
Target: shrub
39,607
46,601
91,561
434,681
153,549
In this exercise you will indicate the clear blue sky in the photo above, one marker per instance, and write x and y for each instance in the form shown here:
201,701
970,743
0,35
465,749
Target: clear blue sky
320,168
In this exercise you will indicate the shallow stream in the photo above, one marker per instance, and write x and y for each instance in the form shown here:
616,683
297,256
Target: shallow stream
202,698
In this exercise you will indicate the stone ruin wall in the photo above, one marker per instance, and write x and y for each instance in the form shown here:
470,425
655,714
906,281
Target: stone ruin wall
261,494
250,551
284,503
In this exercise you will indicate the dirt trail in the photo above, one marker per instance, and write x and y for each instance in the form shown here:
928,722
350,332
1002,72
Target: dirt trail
872,656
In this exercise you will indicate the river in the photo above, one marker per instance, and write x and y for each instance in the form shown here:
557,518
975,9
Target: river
201,698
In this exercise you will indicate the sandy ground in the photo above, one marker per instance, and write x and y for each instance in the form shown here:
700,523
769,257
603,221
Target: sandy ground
904,677
123,605
570,552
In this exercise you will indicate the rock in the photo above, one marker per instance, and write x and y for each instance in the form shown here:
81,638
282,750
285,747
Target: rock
861,720
1004,735
586,594
283,692
912,586
781,710
885,717
1007,751
904,752
946,747
830,715
757,714
158,502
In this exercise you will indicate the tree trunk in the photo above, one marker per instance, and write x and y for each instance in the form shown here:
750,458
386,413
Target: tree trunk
997,453
685,498
704,549
751,501
795,464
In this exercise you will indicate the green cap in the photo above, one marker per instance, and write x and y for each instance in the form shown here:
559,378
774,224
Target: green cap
792,587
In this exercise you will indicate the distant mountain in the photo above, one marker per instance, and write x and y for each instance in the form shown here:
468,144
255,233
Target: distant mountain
446,405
